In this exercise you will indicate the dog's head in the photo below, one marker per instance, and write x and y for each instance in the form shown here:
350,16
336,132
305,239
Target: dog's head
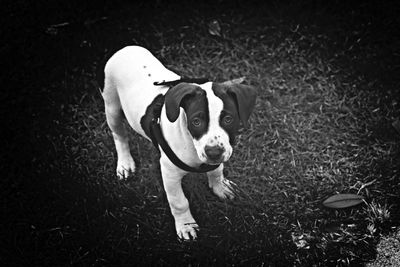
213,112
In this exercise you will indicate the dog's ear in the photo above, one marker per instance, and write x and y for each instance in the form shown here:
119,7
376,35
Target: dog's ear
245,97
174,97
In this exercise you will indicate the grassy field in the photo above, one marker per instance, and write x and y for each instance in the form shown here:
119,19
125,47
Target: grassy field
324,123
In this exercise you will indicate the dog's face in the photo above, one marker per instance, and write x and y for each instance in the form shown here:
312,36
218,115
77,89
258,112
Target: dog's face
213,115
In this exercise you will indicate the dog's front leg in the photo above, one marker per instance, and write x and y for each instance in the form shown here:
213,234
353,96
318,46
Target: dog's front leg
185,225
221,187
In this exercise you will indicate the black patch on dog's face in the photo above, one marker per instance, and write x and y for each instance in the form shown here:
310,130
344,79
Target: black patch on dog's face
229,118
197,113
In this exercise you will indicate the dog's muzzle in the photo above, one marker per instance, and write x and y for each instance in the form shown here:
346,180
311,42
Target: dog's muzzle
214,153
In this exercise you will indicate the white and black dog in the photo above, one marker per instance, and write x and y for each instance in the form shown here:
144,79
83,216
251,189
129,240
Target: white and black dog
196,122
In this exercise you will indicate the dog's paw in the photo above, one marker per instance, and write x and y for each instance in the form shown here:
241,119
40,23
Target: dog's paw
125,167
187,231
224,189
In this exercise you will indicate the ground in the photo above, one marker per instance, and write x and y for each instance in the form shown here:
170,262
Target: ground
388,251
326,122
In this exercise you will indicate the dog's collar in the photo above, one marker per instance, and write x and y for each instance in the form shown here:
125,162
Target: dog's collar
182,80
158,140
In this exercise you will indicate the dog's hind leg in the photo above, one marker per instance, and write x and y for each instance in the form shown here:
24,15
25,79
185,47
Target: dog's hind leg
115,120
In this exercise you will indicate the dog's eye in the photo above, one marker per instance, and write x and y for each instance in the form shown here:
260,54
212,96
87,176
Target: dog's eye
228,119
196,122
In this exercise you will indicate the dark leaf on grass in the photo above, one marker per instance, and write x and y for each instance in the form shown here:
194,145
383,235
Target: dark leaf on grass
341,201
396,125
235,81
214,28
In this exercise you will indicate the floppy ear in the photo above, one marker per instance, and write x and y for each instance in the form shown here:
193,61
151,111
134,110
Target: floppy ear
245,97
174,97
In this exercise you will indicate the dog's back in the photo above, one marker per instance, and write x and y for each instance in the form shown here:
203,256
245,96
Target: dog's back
129,82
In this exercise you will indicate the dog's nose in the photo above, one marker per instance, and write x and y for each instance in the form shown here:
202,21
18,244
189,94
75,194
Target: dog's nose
214,152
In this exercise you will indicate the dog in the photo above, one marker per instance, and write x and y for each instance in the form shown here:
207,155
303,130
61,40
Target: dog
196,119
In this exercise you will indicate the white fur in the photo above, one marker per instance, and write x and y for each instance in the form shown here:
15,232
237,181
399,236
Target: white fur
127,72
128,87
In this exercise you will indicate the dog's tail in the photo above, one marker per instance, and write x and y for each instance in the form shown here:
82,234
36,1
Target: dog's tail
100,75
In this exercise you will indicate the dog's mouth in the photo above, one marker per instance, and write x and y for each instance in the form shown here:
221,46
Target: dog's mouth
214,162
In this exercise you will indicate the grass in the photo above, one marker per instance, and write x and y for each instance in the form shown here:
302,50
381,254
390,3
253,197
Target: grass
322,125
